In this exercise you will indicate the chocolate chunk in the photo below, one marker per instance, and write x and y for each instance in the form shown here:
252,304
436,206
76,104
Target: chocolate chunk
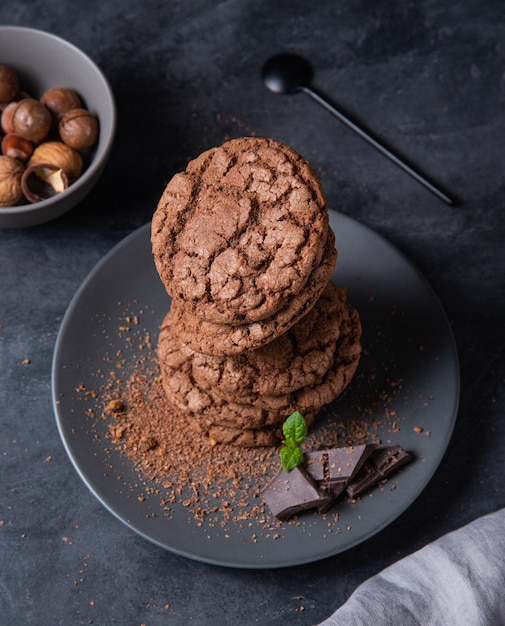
367,477
332,491
379,465
390,458
333,468
337,465
292,492
316,464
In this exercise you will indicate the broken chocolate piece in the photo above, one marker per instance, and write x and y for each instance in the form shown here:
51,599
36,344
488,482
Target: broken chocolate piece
337,465
332,492
380,463
333,468
316,464
292,492
327,474
366,477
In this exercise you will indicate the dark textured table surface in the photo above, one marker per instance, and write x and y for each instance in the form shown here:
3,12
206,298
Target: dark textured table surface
429,77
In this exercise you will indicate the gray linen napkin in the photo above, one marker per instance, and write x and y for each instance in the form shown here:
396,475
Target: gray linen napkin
459,580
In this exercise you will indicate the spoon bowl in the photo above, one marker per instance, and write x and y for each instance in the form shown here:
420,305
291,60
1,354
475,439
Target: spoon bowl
286,73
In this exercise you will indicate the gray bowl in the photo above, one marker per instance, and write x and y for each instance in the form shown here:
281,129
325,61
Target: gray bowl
43,61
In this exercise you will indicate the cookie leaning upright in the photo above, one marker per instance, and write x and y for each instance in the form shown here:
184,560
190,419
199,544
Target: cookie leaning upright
237,235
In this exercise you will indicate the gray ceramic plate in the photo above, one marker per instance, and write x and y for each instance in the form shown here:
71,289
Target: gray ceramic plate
410,356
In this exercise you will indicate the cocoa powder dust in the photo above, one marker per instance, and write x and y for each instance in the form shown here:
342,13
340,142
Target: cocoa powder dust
216,484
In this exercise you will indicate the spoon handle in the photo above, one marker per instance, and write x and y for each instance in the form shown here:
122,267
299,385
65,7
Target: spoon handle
376,144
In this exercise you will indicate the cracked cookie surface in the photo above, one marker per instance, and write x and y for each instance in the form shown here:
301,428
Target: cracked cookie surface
207,413
219,339
297,358
252,418
326,388
238,233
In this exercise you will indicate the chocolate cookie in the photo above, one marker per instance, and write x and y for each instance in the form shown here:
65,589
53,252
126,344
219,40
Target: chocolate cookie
245,437
298,358
206,412
322,390
236,236
219,339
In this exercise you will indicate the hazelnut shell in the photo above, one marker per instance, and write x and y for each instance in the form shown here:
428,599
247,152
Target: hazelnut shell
11,173
9,83
42,181
59,100
31,119
6,118
17,147
78,128
58,154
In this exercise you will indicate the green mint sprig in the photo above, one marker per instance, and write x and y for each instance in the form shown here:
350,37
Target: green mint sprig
294,430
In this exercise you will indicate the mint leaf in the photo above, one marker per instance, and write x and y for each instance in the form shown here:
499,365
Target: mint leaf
295,428
295,431
291,457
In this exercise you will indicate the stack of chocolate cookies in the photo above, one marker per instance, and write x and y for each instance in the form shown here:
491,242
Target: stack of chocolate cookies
256,330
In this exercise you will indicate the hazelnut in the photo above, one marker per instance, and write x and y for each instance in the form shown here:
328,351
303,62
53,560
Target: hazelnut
42,181
31,119
11,173
59,100
9,83
58,154
17,147
6,119
78,129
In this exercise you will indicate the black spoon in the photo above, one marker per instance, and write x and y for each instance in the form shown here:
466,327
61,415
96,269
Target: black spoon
290,73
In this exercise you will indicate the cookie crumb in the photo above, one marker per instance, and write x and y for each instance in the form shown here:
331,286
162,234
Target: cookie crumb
115,406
